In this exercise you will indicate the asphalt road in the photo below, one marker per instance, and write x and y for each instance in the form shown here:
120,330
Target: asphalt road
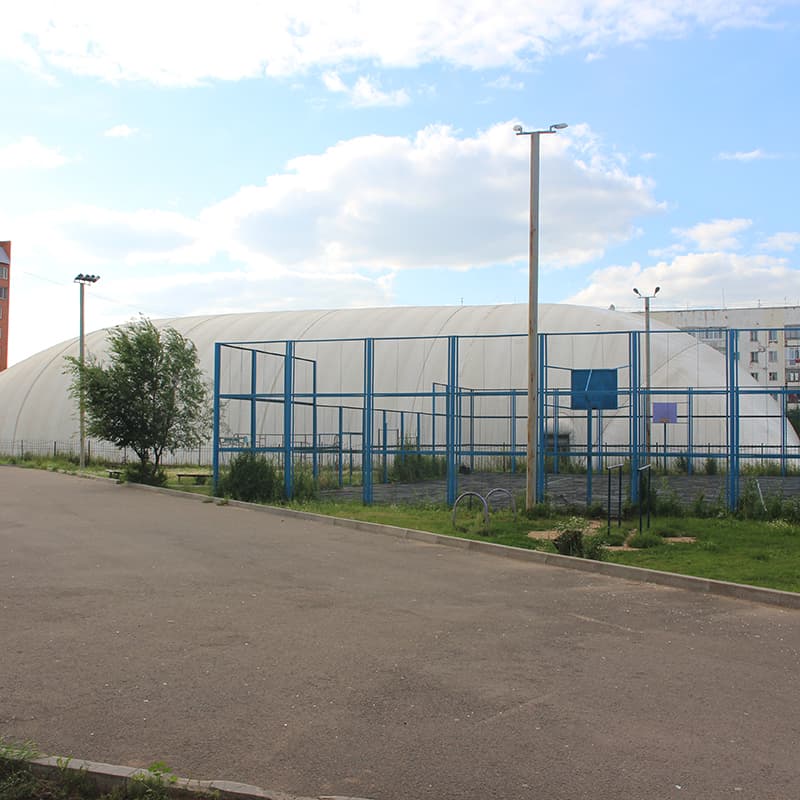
233,644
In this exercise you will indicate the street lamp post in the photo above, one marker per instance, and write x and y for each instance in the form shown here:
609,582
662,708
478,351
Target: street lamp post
82,280
533,313
647,298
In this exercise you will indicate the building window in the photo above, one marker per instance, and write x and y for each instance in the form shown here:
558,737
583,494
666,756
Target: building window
792,333
753,336
712,333
3,273
754,356
773,376
3,292
772,336
792,375
754,376
773,356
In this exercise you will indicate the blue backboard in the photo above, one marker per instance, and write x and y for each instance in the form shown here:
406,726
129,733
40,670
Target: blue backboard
594,388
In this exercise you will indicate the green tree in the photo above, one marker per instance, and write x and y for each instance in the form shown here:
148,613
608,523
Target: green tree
151,396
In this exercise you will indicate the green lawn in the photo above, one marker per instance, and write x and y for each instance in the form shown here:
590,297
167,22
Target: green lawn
743,551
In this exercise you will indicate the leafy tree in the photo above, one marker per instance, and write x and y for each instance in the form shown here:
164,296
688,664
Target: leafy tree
151,396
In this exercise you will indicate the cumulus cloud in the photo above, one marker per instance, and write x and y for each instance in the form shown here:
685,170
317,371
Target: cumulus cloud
94,236
120,131
784,242
436,199
696,280
365,92
287,37
506,83
750,155
30,153
719,234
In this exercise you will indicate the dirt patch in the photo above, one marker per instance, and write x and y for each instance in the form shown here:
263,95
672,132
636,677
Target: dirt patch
592,527
595,525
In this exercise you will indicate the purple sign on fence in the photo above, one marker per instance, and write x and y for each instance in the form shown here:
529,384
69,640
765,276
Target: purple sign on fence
665,412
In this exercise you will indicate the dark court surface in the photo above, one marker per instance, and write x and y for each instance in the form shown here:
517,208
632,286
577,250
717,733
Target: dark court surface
232,644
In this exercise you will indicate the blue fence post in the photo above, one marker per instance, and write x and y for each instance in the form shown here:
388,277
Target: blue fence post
288,422
690,432
542,384
635,419
733,419
588,457
402,442
433,419
452,381
341,447
314,423
253,385
472,430
783,432
513,432
366,425
215,431
385,448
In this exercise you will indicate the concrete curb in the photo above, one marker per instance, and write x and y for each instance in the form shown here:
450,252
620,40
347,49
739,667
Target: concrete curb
108,777
739,591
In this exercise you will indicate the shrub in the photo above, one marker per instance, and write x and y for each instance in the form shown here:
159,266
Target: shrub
594,547
145,472
615,537
711,466
411,467
570,541
251,478
645,539
751,504
303,484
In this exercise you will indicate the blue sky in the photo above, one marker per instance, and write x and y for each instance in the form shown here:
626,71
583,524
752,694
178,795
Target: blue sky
252,156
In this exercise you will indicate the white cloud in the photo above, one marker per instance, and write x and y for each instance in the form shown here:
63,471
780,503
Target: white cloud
784,242
648,156
696,280
30,153
365,92
121,131
750,155
719,234
286,37
434,200
506,83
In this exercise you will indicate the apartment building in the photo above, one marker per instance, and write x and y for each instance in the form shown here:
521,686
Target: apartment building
769,339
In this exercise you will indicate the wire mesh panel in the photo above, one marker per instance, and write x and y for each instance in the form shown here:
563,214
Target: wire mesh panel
375,413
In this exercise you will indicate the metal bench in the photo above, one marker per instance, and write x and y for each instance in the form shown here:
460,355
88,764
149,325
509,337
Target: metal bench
199,477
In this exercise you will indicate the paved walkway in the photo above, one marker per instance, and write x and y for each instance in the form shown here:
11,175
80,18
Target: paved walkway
138,626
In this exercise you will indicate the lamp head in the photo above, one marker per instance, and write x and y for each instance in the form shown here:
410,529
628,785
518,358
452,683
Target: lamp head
658,289
518,129
636,292
559,126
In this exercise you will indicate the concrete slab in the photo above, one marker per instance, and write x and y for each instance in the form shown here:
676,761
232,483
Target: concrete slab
323,661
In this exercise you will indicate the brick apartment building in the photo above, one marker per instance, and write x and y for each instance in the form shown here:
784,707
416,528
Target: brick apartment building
5,281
